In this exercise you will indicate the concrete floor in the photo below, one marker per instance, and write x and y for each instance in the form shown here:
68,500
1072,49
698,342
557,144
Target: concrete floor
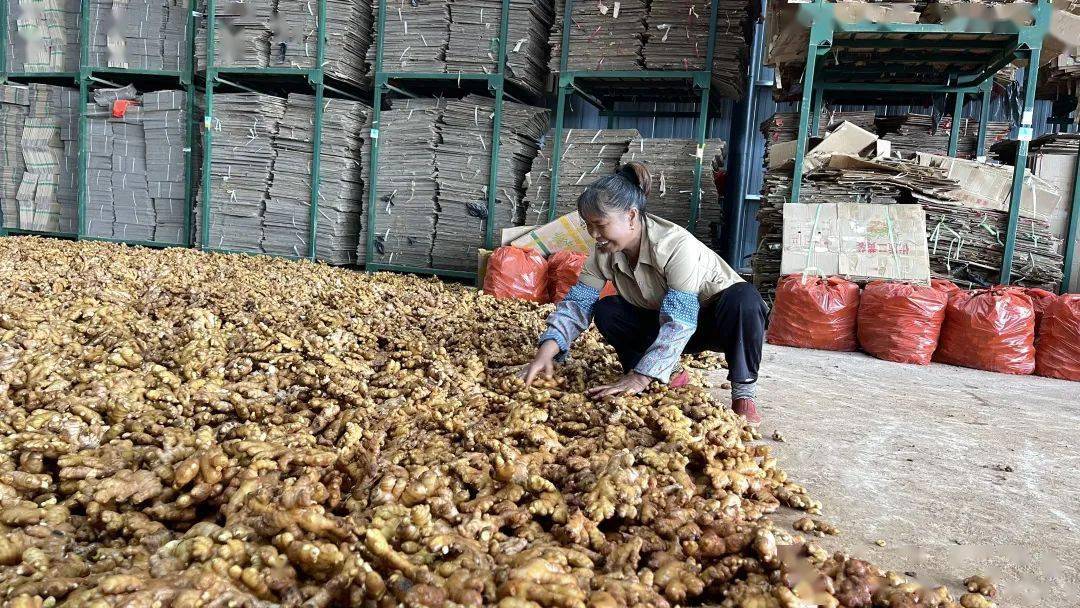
958,471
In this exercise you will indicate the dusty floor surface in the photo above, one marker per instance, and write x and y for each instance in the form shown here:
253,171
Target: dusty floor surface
958,471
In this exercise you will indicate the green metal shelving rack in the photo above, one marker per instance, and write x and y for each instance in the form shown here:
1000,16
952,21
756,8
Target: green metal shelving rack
972,51
82,79
314,77
385,81
602,88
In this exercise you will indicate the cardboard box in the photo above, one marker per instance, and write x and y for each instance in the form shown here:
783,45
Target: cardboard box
1059,170
986,186
862,241
566,232
847,138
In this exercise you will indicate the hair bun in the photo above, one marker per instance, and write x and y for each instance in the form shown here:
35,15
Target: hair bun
637,173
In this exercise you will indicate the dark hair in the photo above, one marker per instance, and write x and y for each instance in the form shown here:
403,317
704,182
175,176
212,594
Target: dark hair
627,189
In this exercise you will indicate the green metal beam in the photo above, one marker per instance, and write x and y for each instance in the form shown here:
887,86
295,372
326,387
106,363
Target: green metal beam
1072,233
497,84
316,80
208,124
24,232
373,162
460,274
83,135
916,43
631,74
132,242
267,71
1031,77
984,120
189,130
954,132
701,127
138,72
888,87
566,80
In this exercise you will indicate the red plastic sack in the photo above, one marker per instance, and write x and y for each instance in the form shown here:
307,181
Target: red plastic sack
1040,299
900,321
1058,354
820,313
991,329
608,290
948,287
517,273
563,270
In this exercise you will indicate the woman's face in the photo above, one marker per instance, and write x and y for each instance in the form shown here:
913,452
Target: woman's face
614,231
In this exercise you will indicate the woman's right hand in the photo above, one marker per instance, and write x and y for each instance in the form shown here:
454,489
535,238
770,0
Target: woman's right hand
543,362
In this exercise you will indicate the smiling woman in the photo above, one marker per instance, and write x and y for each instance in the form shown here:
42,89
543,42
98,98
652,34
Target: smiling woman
674,296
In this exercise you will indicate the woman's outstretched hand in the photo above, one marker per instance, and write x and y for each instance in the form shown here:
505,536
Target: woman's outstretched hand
542,363
630,384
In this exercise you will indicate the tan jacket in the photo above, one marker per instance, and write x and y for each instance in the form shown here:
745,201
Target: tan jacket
670,258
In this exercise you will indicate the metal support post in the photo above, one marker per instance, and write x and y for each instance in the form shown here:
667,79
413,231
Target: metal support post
566,81
815,118
1031,77
496,83
954,132
373,153
316,79
804,120
189,129
984,119
208,124
703,82
81,137
1071,233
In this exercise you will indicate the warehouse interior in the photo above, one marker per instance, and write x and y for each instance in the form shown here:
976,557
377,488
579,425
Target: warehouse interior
285,289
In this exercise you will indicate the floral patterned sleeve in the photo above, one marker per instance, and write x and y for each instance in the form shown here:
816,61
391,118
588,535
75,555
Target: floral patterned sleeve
678,318
571,317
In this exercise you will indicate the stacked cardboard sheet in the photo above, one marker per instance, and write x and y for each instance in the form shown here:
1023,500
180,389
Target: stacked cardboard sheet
139,34
407,187
43,35
671,165
284,33
678,37
136,165
37,180
241,164
261,167
603,35
463,158
586,156
911,133
287,219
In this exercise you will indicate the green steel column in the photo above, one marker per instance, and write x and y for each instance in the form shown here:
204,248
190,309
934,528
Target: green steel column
81,136
804,121
701,128
1031,77
954,133
189,131
565,82
703,81
498,83
815,118
376,115
208,123
984,120
3,78
1071,233
609,116
556,146
316,78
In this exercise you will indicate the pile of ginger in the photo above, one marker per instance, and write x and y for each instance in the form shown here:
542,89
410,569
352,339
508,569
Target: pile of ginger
183,429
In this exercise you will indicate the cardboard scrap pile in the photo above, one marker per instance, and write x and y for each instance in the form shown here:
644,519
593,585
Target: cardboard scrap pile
966,211
912,133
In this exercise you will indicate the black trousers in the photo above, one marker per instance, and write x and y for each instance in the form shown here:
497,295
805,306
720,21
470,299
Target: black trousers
731,322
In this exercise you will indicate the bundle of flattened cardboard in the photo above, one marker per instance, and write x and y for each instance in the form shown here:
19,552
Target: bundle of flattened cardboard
861,214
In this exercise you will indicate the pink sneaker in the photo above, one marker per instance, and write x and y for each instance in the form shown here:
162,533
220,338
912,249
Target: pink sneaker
747,409
679,380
